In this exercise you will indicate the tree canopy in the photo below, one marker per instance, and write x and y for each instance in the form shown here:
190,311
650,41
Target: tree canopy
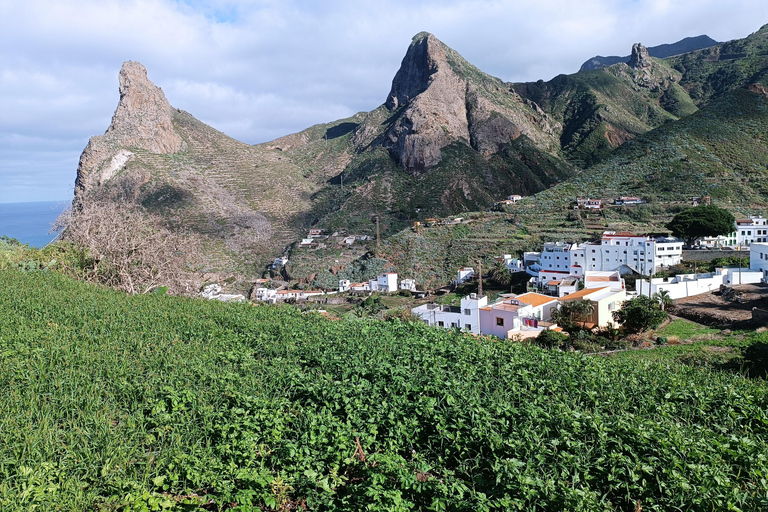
639,314
705,220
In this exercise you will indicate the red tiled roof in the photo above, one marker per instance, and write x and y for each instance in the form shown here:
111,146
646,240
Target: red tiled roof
534,299
582,293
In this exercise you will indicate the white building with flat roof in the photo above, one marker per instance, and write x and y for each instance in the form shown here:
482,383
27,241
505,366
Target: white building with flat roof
751,229
758,259
465,317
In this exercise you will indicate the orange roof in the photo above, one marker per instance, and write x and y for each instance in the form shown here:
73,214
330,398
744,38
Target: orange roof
602,279
535,299
553,283
582,293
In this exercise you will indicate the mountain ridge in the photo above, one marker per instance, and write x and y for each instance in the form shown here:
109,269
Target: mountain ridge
448,138
685,45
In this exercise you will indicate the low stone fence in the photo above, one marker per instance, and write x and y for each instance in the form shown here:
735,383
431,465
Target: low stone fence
710,254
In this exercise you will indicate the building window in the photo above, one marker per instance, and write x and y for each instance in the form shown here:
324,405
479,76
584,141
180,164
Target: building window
467,312
612,306
440,323
499,321
468,327
453,324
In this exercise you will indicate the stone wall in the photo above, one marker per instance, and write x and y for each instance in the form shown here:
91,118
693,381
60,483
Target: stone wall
710,254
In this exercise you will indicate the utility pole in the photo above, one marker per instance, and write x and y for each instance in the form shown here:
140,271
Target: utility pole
479,278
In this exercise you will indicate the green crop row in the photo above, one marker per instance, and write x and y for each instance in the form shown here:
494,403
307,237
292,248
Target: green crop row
115,402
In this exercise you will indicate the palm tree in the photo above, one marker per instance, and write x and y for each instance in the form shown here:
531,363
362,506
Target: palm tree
573,314
501,275
583,310
663,298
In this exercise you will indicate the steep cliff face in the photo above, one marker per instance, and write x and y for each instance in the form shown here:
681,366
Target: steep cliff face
143,120
438,98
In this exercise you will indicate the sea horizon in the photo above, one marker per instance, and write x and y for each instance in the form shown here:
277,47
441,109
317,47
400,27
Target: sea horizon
30,222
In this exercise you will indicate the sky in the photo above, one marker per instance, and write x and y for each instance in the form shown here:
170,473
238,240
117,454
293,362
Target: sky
261,69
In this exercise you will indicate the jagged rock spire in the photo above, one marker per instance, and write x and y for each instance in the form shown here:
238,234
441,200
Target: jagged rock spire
639,58
143,119
418,65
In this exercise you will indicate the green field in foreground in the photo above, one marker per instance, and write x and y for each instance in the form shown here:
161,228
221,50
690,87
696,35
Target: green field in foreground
113,402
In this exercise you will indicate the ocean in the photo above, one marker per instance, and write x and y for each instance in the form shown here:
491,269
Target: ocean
29,223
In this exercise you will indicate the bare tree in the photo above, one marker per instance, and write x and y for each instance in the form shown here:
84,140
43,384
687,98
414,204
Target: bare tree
130,249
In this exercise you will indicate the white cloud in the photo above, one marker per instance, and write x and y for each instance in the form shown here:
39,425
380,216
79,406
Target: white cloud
260,69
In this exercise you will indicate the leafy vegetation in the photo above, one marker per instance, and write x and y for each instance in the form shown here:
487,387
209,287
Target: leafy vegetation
115,402
641,313
701,221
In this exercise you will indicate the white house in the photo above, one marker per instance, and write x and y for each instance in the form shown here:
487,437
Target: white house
758,259
642,254
604,302
280,262
464,274
385,283
439,315
465,317
344,285
602,278
266,294
518,315
751,229
513,264
408,284
713,242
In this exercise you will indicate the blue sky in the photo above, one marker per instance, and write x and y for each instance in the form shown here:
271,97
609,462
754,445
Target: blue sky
260,69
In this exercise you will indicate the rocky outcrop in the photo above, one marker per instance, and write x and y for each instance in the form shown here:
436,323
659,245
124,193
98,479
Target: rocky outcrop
639,58
143,120
434,100
439,98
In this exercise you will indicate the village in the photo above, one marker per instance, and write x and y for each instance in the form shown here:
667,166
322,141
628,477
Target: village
558,274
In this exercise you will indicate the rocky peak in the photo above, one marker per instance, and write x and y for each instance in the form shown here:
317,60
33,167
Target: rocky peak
639,58
143,119
421,61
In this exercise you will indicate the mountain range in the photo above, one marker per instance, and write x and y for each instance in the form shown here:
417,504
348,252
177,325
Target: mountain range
447,139
685,45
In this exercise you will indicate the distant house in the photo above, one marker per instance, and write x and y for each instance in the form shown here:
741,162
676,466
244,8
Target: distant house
465,317
280,262
307,242
514,198
513,264
758,259
604,300
589,204
517,316
602,278
385,283
408,284
628,200
463,275
751,229
521,316
314,233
